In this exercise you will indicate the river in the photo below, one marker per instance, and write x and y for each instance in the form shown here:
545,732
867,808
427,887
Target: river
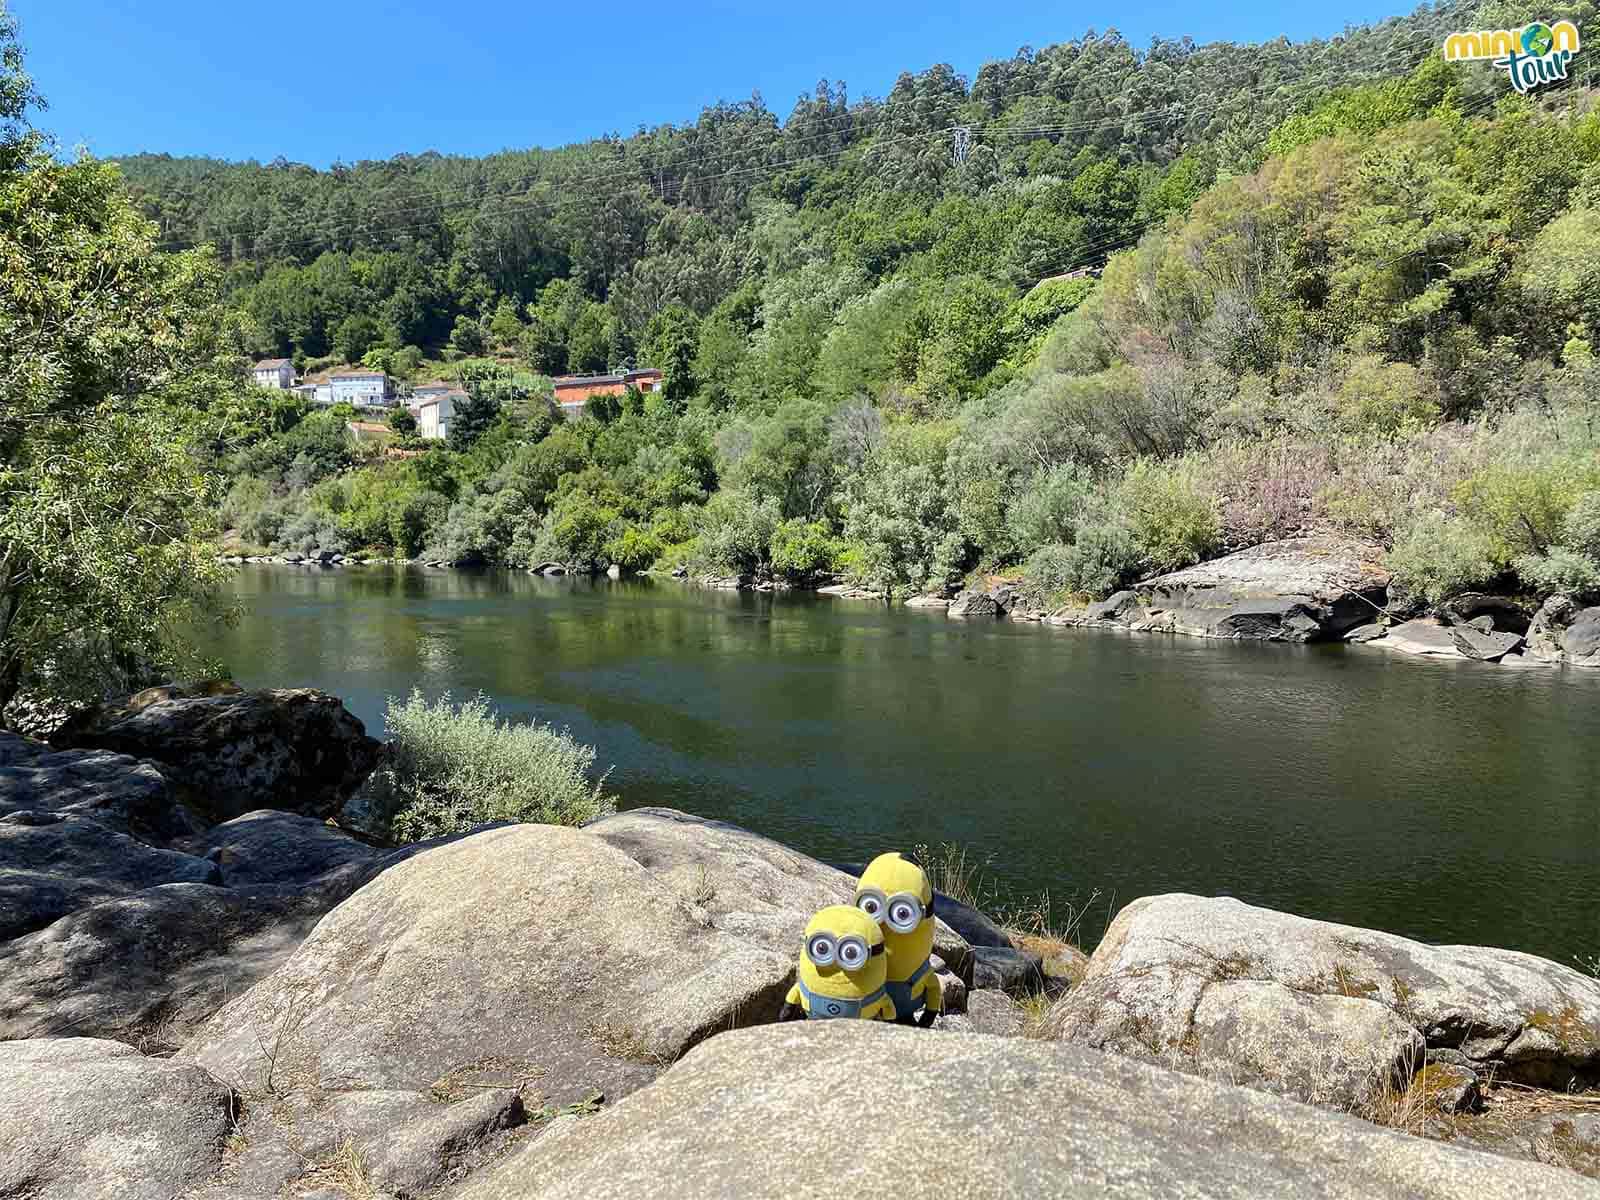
1447,801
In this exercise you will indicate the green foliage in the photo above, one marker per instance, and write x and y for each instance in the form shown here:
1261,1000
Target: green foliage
1438,557
403,421
803,550
1048,508
1563,571
736,532
1521,507
1171,517
116,378
455,767
1384,398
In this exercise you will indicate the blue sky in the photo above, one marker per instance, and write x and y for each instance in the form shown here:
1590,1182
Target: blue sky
352,79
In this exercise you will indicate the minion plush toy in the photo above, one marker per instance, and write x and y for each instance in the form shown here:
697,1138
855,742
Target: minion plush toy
895,892
841,969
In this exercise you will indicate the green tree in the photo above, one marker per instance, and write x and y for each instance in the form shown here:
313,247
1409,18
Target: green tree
113,360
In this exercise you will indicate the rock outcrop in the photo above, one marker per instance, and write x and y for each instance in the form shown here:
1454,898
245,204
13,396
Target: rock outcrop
234,752
122,917
82,1119
1296,590
583,958
1326,1013
778,1112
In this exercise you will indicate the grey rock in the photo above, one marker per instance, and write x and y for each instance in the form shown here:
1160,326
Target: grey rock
928,602
82,1119
1222,987
745,884
753,1113
1007,969
991,1011
1473,642
155,964
1486,611
1423,638
1297,590
974,604
1581,642
1370,632
230,754
1548,629
54,863
524,951
114,790
1449,1087
1119,606
272,847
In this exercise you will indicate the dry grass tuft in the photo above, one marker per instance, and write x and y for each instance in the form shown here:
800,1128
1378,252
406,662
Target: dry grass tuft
345,1171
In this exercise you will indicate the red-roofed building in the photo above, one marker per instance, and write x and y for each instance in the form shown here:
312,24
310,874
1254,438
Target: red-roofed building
572,392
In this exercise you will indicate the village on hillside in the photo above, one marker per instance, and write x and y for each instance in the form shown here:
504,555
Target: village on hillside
375,393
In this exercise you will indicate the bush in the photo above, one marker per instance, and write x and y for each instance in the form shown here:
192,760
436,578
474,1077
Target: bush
1438,557
801,550
454,768
1580,531
736,533
1172,519
1046,510
1385,398
1523,508
1104,558
1563,570
635,550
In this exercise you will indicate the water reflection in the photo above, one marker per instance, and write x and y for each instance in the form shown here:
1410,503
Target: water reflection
1449,802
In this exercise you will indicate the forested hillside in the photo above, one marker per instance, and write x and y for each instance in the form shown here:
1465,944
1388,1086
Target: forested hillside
1345,286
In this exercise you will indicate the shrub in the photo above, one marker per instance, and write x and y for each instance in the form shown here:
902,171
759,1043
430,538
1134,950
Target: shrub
1563,570
636,550
1173,520
736,532
1580,531
453,768
802,550
1522,508
1104,558
1046,511
1438,557
1384,398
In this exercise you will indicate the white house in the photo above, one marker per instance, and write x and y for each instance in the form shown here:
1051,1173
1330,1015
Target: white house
364,389
276,373
434,413
425,392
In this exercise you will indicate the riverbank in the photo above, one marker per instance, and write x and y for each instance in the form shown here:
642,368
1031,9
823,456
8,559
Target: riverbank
226,1005
1308,589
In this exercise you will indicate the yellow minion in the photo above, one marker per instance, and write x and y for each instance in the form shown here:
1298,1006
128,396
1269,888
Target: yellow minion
841,969
895,892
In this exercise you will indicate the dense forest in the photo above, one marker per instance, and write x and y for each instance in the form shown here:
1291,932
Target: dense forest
1100,311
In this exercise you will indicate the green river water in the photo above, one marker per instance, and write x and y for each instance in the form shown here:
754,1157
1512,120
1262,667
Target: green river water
1447,801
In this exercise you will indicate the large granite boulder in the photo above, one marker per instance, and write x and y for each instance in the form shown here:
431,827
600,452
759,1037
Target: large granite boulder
974,604
752,886
82,1119
1581,642
1296,590
1327,1013
228,754
1549,628
1484,645
527,951
782,1111
1427,639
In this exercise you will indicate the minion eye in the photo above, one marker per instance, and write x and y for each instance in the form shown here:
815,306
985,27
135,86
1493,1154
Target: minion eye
905,912
871,903
852,953
820,949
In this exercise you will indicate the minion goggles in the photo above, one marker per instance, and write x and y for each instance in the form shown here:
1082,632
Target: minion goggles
849,952
901,912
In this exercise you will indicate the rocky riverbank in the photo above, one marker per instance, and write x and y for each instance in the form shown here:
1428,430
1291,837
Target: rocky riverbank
208,990
1308,589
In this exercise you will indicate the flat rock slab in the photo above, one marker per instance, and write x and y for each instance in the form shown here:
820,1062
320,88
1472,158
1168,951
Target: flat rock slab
114,790
82,1119
777,1112
1484,645
1424,638
1297,590
1581,642
1327,1013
